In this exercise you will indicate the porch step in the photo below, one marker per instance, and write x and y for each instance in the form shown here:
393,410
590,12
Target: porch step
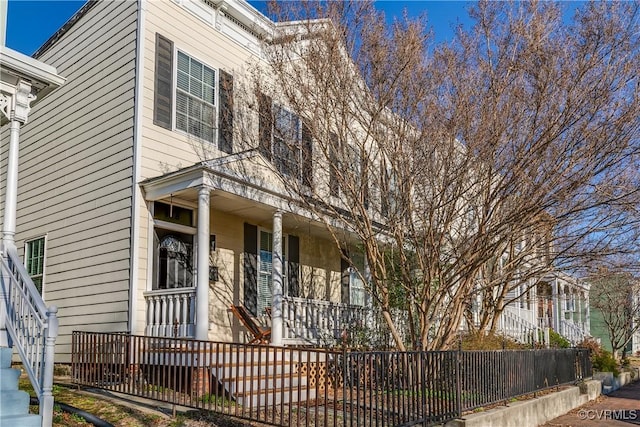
28,420
14,403
275,397
5,357
240,385
9,378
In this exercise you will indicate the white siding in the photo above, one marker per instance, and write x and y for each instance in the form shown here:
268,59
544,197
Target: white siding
76,172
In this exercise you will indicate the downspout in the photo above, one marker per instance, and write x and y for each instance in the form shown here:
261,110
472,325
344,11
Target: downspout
137,155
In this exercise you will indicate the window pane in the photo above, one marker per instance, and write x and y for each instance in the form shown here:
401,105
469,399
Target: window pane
196,69
183,62
195,98
209,76
183,81
196,88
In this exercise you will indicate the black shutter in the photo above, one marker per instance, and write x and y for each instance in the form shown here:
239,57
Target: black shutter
294,266
344,280
307,156
265,123
163,83
225,113
384,189
251,267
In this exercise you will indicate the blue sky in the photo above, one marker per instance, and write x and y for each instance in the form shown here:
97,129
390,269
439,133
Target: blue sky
31,23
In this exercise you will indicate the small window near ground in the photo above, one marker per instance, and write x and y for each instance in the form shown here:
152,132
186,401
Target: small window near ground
34,261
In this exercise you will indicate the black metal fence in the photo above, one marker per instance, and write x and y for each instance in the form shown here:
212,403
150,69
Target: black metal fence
292,386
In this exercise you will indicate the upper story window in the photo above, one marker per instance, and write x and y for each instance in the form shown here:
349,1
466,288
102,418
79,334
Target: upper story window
285,140
287,147
195,98
192,97
34,261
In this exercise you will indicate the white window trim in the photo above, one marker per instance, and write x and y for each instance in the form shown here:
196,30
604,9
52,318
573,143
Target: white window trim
216,97
172,226
44,258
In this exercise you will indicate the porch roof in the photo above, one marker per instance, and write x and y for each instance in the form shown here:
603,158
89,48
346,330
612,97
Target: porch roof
243,183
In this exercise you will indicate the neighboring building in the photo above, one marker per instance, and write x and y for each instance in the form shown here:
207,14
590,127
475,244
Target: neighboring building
619,303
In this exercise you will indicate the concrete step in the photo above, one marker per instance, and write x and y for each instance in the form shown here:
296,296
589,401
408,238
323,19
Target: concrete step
234,371
28,420
5,357
274,397
14,402
9,378
239,385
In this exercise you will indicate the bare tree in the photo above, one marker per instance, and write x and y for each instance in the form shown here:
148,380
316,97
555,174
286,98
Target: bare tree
616,296
464,171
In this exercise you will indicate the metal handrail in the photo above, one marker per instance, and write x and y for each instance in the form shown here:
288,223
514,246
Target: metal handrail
32,327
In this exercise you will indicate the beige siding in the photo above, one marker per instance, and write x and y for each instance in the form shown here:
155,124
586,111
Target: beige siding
76,172
165,150
319,256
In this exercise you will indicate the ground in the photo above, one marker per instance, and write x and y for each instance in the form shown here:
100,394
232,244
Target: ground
125,411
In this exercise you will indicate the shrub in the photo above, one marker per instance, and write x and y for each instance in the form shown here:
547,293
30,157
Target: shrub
601,359
558,341
477,341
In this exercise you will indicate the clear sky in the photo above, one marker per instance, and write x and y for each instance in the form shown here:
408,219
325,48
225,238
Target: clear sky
31,23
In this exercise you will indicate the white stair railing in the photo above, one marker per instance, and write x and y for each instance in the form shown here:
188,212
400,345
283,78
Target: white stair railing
520,329
33,329
572,332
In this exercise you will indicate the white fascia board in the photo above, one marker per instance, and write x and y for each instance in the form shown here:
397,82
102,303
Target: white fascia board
44,77
161,187
29,67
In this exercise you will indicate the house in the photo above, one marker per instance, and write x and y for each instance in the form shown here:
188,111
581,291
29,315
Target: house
117,209
135,213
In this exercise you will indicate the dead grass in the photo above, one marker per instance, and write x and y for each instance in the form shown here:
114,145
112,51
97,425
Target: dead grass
122,413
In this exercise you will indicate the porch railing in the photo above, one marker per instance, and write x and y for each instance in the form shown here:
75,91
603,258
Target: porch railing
32,327
572,332
319,322
171,312
521,330
288,386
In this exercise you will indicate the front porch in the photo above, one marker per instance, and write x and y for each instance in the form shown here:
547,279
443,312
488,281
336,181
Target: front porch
171,313
257,248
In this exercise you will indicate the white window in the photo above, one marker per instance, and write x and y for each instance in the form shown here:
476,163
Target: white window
34,261
195,98
356,288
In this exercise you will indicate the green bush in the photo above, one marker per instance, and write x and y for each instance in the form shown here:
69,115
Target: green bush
557,340
604,362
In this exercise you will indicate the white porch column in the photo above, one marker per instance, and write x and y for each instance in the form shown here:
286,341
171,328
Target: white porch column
555,295
16,107
202,272
276,299
587,320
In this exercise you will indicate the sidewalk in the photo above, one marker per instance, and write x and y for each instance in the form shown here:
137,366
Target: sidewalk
620,408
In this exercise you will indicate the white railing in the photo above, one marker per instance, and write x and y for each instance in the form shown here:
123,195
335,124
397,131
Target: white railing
572,332
319,322
33,329
171,312
521,330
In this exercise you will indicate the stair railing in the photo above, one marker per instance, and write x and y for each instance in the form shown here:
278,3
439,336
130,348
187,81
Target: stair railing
32,327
